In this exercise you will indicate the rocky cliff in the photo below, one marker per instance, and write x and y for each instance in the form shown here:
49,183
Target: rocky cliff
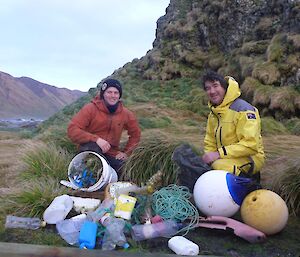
255,41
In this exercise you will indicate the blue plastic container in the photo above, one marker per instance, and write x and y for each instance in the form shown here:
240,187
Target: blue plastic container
87,235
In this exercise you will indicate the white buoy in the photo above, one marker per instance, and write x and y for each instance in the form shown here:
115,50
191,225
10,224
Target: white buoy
212,196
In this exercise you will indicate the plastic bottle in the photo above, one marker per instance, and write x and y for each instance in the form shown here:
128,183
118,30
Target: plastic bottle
107,206
23,222
114,233
58,209
87,235
69,229
165,228
182,246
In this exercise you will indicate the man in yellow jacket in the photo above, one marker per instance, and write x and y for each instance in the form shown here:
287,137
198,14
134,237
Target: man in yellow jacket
233,139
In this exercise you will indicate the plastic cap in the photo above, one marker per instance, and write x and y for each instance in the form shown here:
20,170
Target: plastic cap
126,246
82,246
43,224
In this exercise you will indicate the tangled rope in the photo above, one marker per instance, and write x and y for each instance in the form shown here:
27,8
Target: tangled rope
172,202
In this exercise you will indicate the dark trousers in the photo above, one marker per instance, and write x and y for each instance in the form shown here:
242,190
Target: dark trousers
113,162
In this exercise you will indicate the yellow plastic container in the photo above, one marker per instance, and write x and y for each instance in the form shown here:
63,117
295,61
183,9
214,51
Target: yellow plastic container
124,206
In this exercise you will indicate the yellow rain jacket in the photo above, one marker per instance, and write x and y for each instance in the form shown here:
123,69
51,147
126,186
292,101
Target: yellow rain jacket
234,130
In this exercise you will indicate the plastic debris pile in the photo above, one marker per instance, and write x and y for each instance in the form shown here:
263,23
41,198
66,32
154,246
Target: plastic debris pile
151,211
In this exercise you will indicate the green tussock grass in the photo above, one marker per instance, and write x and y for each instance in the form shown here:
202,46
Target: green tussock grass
45,160
153,154
33,198
57,135
272,127
285,180
160,122
293,125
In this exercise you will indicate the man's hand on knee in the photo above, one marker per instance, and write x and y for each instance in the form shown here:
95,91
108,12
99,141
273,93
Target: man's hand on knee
210,157
121,156
103,144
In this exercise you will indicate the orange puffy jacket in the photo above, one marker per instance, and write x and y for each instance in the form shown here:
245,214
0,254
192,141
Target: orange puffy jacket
94,121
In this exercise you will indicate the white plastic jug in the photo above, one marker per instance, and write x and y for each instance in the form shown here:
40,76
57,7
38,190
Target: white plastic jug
58,209
182,246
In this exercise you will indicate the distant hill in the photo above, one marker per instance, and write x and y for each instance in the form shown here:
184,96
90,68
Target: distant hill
27,98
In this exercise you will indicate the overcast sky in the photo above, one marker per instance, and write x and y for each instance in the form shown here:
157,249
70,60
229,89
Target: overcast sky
75,43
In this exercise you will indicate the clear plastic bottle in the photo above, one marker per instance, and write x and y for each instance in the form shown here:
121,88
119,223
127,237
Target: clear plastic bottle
114,233
165,228
23,222
69,229
107,206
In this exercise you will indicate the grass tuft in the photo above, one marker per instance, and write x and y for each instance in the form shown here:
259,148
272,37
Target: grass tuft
45,160
272,127
153,154
33,199
285,180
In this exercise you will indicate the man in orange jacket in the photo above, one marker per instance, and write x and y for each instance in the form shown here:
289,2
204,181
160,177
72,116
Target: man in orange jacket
98,126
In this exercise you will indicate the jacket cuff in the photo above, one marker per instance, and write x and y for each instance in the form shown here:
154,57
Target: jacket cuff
223,152
94,138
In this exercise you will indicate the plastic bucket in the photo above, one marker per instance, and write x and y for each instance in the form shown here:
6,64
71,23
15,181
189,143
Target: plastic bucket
109,175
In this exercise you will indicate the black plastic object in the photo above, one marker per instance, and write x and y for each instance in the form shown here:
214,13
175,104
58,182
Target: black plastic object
190,164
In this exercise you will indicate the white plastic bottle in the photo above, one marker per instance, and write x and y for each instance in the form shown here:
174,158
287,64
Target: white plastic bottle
58,209
182,246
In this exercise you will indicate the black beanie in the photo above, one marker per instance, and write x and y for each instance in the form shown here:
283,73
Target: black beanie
110,83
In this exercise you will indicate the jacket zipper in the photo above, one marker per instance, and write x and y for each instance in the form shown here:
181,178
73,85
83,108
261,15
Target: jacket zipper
216,132
221,137
110,123
219,142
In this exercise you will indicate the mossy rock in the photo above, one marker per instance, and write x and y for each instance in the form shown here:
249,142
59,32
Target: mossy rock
255,47
266,27
267,73
195,58
283,99
295,41
247,64
262,95
277,48
216,62
248,88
